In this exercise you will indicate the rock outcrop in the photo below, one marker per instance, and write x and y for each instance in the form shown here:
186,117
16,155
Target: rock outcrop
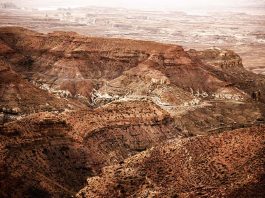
19,97
223,59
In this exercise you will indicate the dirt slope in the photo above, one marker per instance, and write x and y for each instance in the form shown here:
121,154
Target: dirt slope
230,164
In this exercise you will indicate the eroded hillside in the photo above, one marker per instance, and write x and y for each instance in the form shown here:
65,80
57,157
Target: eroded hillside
230,164
71,105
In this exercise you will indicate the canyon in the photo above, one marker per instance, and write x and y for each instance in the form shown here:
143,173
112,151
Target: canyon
107,117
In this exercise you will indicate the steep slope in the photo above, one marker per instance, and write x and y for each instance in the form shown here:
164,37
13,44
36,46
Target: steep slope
227,65
71,62
19,97
122,129
230,164
51,154
39,159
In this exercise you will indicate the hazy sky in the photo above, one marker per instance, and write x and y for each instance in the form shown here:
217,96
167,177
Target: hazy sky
142,4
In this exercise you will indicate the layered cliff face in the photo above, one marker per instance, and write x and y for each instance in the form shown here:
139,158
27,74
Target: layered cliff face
122,129
76,64
223,59
71,105
72,65
19,97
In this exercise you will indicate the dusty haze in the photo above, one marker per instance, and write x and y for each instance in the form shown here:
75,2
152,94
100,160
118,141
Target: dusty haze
139,4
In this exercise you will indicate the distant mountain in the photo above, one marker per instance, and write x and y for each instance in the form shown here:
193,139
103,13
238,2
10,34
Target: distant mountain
8,5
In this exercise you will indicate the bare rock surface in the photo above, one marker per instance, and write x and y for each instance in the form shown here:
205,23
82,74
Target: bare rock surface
19,97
